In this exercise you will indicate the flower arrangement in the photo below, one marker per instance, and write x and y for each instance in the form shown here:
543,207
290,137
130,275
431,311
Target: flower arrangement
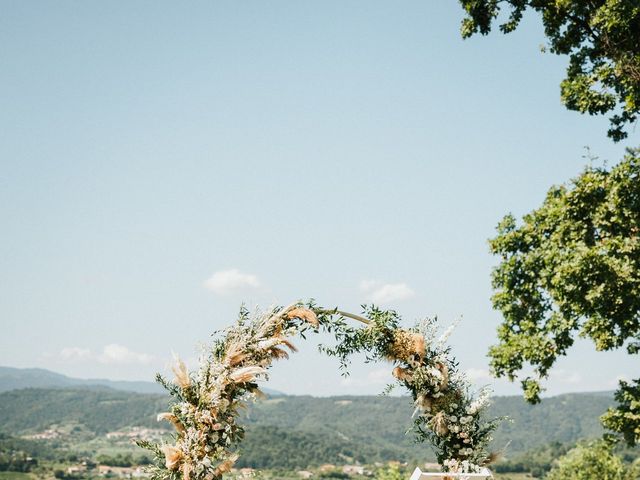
206,403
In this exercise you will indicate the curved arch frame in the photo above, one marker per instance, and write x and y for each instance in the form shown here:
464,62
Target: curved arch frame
205,404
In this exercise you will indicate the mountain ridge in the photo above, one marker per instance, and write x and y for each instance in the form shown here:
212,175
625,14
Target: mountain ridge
12,378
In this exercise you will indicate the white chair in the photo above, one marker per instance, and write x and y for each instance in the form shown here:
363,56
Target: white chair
420,475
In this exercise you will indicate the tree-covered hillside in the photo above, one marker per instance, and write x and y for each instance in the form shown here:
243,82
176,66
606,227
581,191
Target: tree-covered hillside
298,431
99,409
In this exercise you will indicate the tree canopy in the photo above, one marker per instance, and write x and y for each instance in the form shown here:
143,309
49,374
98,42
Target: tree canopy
591,461
602,40
572,268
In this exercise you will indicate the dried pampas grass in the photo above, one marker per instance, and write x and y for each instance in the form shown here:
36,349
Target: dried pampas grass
305,314
170,417
181,374
246,374
172,455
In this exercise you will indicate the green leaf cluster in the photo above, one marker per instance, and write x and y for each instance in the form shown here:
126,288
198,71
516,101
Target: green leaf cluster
625,419
590,461
602,40
572,267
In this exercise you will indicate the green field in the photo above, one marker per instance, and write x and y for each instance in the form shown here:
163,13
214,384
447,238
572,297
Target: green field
15,476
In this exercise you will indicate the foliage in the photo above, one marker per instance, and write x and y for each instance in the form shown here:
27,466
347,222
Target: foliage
535,463
625,419
451,419
572,267
207,403
590,461
100,410
392,472
292,431
122,460
602,40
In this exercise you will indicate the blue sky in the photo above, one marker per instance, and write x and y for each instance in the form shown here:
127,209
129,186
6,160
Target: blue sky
163,163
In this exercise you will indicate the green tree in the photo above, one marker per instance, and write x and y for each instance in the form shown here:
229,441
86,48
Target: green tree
625,419
572,268
602,40
392,472
588,462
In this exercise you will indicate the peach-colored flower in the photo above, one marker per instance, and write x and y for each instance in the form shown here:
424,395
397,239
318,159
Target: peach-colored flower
419,347
402,374
424,402
444,371
172,456
439,423
186,471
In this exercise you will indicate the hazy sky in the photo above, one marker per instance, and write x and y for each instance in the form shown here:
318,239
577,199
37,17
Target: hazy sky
163,162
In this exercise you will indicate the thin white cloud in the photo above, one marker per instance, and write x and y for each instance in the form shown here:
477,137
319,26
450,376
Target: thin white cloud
565,376
111,354
75,353
114,353
478,375
615,383
381,293
228,281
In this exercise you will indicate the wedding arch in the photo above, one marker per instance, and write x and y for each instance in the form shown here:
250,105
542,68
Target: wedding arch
206,402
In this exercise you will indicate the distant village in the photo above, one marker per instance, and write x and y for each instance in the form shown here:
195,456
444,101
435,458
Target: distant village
91,469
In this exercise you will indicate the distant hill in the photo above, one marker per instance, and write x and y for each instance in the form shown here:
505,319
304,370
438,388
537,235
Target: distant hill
19,378
374,426
299,431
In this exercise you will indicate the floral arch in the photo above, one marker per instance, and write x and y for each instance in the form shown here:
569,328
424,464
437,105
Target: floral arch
205,403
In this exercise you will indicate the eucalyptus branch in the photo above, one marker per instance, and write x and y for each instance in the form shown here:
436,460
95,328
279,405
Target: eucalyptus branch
352,316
